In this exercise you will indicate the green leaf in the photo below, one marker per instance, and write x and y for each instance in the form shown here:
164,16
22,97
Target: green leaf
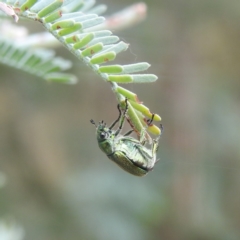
69,30
62,24
50,8
92,49
93,22
53,16
127,94
136,67
144,110
111,69
38,62
120,78
61,78
27,5
137,78
84,41
103,58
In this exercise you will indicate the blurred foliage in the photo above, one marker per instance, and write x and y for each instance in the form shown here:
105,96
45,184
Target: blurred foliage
60,186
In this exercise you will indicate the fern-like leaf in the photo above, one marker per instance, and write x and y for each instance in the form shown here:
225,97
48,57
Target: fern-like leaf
41,63
72,22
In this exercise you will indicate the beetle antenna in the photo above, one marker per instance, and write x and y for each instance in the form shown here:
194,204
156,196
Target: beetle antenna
92,122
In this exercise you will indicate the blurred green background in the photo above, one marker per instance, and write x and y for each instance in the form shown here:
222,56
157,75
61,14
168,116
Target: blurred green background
61,186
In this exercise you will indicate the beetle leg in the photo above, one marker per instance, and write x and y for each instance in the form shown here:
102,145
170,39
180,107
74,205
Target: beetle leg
156,141
161,128
149,122
155,145
123,118
119,116
142,135
128,133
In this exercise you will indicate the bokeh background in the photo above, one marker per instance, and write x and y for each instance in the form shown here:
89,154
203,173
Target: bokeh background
60,186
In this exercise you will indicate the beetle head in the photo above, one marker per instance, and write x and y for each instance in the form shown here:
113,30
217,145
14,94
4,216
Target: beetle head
103,132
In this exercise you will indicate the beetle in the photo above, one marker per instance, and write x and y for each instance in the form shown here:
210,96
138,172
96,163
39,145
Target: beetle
127,152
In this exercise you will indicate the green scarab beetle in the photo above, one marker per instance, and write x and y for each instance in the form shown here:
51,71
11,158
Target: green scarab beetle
127,152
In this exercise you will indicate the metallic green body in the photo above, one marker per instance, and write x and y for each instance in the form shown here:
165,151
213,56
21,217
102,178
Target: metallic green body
127,152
